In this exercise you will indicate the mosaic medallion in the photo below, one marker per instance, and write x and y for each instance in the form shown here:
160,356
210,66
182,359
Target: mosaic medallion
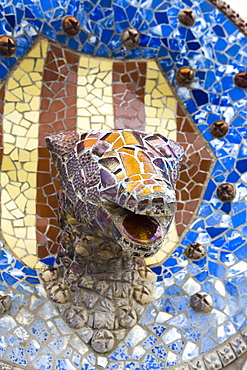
175,69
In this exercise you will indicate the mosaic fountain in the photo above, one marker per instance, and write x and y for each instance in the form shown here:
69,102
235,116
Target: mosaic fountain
94,96
115,207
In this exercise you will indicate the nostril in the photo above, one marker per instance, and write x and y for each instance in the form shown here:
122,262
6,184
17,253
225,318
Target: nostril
158,206
142,205
158,201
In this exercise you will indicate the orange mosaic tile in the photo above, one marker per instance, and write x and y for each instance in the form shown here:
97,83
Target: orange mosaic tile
194,170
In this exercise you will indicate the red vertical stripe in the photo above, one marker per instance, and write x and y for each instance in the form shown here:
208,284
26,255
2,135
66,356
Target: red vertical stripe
58,113
193,173
129,79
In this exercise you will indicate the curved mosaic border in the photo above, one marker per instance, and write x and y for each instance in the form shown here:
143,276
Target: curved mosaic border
231,14
224,355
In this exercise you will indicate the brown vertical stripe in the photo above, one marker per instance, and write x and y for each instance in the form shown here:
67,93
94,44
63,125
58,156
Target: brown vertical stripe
58,113
193,173
129,79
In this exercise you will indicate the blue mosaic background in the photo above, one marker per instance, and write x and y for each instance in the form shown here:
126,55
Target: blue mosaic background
170,332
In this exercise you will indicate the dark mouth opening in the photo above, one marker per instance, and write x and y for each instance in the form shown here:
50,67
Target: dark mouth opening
141,229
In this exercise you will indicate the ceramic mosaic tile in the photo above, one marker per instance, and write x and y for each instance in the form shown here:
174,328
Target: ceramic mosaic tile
194,172
56,82
20,156
94,91
58,112
129,81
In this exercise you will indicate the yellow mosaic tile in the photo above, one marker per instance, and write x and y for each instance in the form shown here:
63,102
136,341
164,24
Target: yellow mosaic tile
20,155
94,90
160,112
160,103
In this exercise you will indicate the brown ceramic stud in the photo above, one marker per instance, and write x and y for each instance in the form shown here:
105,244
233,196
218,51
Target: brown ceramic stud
7,46
219,129
195,251
131,37
71,25
187,17
241,80
226,192
201,302
5,303
185,76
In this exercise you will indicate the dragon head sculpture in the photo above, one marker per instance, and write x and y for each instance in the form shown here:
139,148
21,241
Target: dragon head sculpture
118,185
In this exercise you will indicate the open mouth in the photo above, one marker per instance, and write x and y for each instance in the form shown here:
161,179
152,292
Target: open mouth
141,229
143,233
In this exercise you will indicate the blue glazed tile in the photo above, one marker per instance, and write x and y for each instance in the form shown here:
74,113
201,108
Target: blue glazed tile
158,329
219,30
73,44
17,355
218,302
229,27
239,320
214,219
233,50
241,253
3,71
226,208
241,165
10,280
201,97
216,270
48,31
191,106
148,316
151,363
159,351
102,51
207,344
201,263
132,365
191,334
236,94
181,302
167,306
177,346
231,289
173,290
220,45
32,280
150,341
120,353
161,18
202,276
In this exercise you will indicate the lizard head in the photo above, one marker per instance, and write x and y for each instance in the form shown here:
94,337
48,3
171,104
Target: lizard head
119,185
